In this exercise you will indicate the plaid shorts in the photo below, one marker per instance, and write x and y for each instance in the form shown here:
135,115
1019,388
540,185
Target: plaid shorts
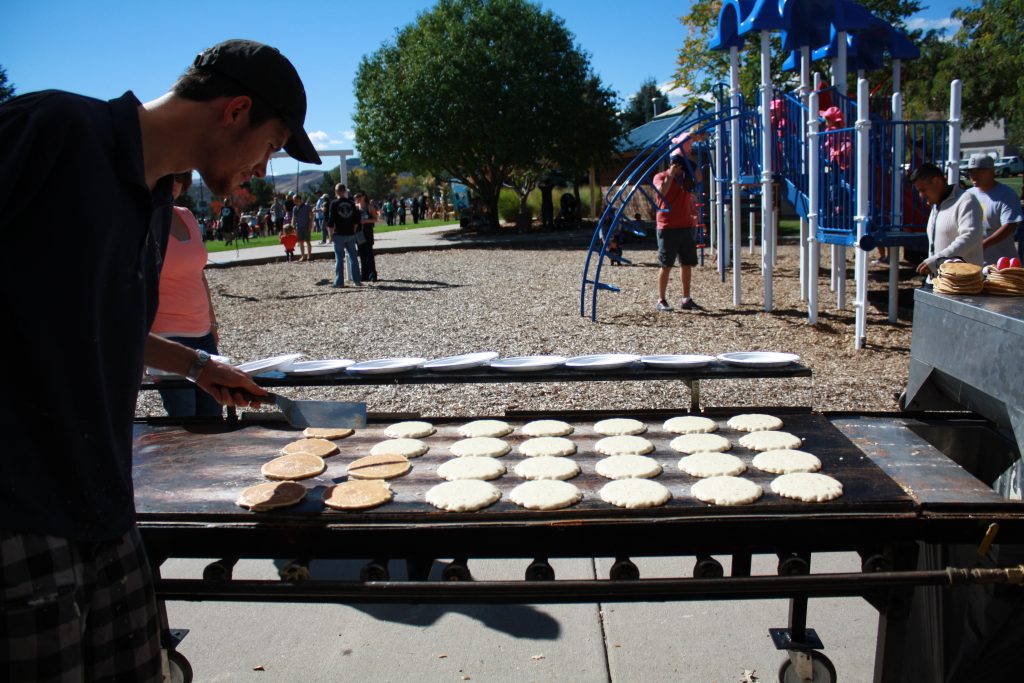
77,611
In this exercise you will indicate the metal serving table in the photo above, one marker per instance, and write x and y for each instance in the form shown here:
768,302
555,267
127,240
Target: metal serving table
690,377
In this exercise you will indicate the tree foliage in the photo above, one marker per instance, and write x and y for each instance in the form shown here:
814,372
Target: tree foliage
482,91
640,109
988,56
6,88
698,69
371,180
262,191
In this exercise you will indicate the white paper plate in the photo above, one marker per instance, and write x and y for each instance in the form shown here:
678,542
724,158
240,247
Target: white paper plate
163,374
467,360
758,359
310,368
694,360
282,363
384,366
528,363
603,361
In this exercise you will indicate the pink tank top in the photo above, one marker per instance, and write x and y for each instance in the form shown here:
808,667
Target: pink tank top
184,308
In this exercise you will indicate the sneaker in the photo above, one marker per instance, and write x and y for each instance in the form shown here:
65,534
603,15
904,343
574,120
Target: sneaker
663,306
690,305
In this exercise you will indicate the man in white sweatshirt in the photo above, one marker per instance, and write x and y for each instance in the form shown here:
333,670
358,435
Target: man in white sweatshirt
955,227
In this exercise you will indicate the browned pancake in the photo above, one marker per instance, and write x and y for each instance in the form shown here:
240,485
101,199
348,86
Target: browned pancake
270,495
358,495
294,466
319,447
379,467
327,432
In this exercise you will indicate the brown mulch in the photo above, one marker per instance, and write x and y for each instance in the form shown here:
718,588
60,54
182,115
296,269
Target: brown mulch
519,302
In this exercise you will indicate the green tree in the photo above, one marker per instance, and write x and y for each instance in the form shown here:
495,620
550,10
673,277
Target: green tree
6,88
698,68
988,57
475,90
262,191
372,181
641,106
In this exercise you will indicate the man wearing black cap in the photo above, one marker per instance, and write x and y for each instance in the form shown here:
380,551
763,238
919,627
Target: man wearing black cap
75,583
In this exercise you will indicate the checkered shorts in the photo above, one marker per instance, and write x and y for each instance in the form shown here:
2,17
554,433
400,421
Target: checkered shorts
77,611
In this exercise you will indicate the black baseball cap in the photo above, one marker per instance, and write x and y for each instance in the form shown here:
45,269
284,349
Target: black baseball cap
268,75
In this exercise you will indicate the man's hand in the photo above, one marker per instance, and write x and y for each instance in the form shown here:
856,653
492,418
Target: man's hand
219,379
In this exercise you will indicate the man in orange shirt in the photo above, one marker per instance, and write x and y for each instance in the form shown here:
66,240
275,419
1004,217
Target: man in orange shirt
677,221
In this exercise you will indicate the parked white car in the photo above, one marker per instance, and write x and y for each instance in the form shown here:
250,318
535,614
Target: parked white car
1007,166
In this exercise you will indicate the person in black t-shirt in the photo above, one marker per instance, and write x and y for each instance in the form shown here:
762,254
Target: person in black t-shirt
344,220
75,582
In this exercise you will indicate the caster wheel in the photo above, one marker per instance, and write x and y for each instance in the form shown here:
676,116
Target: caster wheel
822,670
221,570
624,570
375,571
296,570
178,667
708,568
540,570
456,571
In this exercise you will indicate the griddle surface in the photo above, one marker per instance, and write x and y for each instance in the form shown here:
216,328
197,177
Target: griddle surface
194,473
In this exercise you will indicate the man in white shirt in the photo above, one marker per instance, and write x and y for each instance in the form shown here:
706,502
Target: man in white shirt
955,223
1000,206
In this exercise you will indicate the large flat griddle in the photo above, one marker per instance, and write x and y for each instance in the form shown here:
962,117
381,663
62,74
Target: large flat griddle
193,472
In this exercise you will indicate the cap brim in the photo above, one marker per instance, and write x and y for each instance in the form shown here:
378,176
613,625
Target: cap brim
299,147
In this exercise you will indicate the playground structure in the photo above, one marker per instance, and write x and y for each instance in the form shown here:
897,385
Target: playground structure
845,174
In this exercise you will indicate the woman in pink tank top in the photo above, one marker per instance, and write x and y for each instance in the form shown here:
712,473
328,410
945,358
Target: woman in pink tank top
186,314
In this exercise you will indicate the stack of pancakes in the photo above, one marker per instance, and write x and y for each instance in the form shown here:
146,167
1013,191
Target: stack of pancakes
1005,282
959,278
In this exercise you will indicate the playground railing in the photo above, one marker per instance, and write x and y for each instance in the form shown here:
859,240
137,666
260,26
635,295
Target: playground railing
837,182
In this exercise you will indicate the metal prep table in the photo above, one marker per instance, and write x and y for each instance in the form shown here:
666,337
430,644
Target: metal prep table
899,491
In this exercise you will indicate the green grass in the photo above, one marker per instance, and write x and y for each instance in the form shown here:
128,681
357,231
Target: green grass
213,246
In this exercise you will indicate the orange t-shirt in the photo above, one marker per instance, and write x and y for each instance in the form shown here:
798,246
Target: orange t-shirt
681,213
184,309
289,242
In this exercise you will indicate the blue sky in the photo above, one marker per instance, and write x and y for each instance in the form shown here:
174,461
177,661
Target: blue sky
104,48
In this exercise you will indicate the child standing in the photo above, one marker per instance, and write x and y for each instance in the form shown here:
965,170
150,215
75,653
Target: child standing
289,239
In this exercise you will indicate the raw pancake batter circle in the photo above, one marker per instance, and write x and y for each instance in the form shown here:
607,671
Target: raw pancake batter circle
547,494
635,493
465,495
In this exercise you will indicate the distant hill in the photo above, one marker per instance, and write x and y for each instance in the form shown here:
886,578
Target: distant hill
284,182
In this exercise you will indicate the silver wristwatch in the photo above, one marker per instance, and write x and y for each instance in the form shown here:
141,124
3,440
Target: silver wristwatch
202,358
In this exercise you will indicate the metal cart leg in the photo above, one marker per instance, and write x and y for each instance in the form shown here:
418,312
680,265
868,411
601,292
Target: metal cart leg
893,619
176,668
805,663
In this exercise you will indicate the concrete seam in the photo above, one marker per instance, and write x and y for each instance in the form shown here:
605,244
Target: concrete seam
604,632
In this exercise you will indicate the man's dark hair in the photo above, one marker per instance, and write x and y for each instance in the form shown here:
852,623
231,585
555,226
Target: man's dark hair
926,171
202,85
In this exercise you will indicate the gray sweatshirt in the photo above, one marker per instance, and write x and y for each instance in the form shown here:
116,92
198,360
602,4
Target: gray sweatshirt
955,229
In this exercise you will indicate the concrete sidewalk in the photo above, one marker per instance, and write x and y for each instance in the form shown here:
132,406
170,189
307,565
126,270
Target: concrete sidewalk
678,642
414,239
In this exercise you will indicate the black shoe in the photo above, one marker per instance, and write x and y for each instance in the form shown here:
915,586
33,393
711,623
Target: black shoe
690,305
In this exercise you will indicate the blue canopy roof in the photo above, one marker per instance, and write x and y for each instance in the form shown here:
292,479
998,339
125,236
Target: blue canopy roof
765,16
729,18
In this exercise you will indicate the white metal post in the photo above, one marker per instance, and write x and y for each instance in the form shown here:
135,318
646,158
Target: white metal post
734,159
753,234
953,164
813,143
863,195
897,189
767,199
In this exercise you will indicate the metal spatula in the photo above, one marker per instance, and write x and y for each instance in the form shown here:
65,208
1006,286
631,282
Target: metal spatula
316,413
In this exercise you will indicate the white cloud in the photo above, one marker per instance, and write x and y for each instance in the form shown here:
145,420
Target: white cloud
946,25
320,139
348,135
675,95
